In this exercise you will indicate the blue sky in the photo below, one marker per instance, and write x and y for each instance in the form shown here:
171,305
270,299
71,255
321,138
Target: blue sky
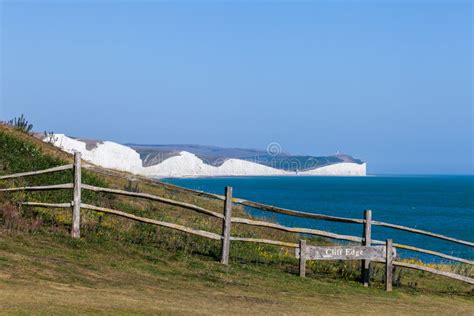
389,82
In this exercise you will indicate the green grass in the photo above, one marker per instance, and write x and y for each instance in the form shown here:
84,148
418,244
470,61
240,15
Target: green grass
46,272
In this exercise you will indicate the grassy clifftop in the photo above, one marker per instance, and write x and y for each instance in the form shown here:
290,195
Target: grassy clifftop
119,266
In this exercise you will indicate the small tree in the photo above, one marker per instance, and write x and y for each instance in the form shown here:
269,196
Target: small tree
21,124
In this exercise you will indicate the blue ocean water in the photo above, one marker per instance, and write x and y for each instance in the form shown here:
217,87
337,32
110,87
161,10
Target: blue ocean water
440,204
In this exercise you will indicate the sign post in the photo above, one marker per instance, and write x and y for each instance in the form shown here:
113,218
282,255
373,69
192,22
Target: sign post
302,255
388,265
374,253
366,241
366,253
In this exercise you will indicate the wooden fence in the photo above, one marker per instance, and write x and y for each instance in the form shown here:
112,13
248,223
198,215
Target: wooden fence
227,220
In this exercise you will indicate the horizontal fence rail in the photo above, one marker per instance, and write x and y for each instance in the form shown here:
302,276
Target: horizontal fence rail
155,198
433,253
40,188
197,232
228,220
196,192
426,251
266,241
182,228
434,271
33,173
423,232
40,204
280,210
295,229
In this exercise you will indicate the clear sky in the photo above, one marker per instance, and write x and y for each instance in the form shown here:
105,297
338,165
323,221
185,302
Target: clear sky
388,82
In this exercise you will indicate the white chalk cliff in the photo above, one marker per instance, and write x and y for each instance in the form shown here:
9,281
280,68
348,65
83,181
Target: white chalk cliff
115,156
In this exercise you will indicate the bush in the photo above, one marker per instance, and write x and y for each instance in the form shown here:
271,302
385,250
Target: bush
130,187
11,219
21,124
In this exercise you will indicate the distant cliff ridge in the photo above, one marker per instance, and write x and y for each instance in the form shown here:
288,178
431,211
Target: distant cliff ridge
216,156
196,160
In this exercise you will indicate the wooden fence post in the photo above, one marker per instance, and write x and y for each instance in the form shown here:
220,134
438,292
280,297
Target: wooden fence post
226,226
302,258
366,241
388,265
76,202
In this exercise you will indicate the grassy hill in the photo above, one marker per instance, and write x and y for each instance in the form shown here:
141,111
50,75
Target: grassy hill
123,267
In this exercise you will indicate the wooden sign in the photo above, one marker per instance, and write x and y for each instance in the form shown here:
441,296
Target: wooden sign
370,253
375,253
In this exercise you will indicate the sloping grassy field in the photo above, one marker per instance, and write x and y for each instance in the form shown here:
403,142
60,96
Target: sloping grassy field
49,273
121,267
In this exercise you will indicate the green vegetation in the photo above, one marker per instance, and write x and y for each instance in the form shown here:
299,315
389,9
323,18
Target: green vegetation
119,266
21,124
18,155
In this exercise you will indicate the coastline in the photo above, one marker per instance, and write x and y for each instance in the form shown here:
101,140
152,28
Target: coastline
258,176
188,165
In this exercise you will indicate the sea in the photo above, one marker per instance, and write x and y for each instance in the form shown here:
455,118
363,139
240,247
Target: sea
438,203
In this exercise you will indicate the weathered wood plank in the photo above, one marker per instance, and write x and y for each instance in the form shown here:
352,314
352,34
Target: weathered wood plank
423,232
40,188
197,232
155,198
434,253
76,199
376,253
388,266
52,205
298,213
295,229
303,257
266,241
366,241
434,271
33,173
226,226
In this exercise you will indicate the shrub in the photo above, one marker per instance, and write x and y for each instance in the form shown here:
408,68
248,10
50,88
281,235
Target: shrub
11,219
130,187
21,124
